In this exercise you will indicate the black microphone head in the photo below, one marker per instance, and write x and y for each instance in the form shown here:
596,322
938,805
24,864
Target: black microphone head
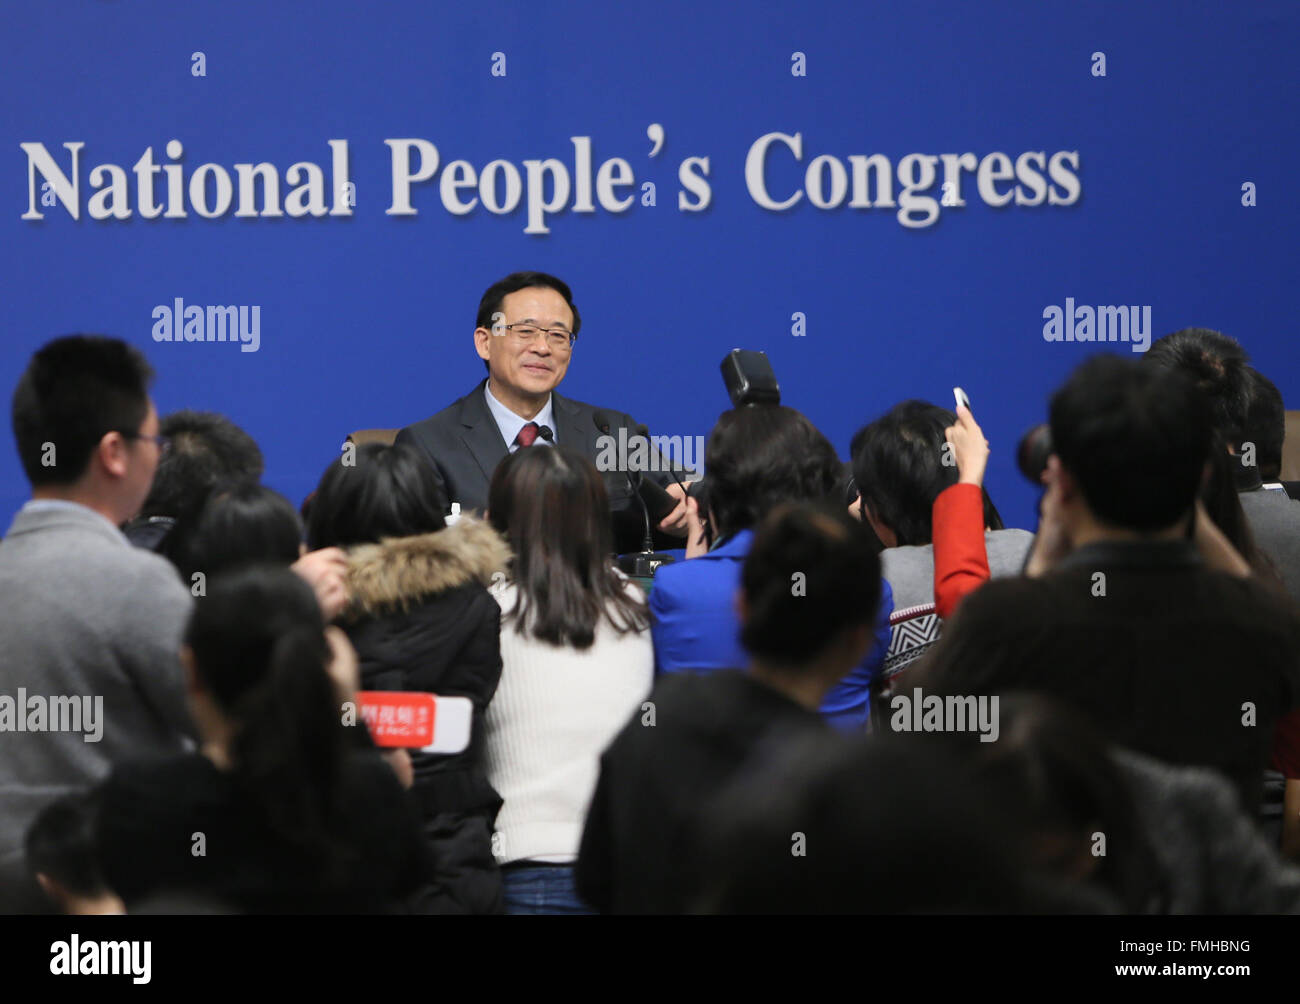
545,432
603,420
643,431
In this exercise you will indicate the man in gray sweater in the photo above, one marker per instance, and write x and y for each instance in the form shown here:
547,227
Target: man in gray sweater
91,626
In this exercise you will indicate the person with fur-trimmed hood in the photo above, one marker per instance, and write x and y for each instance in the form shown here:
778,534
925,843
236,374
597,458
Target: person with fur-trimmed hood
421,619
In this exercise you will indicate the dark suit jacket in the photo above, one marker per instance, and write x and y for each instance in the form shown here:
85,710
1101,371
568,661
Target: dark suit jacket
464,445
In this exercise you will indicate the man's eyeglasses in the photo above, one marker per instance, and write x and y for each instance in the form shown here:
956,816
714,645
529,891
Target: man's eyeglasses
163,443
559,339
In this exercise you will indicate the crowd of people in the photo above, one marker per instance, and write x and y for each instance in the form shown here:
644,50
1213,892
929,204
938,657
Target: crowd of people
745,738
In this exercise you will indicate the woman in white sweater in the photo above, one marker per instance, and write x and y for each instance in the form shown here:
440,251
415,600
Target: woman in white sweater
577,663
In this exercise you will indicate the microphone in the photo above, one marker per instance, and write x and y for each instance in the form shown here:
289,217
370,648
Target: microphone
644,432
699,492
604,421
545,432
648,541
644,563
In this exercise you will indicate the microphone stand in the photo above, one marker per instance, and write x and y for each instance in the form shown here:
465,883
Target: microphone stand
644,563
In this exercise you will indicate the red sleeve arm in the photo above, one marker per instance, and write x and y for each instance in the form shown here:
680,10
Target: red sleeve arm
961,563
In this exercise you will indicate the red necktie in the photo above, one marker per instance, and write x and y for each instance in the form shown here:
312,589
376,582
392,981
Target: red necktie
527,434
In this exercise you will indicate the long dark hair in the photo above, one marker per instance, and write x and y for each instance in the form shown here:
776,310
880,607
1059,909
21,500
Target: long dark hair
898,464
551,506
260,650
1059,778
1224,509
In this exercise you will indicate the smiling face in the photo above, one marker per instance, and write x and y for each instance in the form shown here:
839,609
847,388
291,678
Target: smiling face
526,371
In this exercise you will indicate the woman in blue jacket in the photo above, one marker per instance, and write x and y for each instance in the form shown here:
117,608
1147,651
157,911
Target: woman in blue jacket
757,457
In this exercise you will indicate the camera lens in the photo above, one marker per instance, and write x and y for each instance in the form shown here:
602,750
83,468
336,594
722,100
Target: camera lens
1032,453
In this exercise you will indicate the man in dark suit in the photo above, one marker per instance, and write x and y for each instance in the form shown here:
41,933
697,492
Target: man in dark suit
525,331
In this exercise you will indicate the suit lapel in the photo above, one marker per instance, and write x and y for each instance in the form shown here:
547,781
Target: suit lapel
481,435
575,428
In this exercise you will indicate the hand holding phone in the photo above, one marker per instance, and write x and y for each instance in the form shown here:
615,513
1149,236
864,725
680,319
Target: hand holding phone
966,445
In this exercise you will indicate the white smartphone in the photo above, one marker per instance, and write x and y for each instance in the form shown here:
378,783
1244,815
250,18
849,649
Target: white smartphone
960,397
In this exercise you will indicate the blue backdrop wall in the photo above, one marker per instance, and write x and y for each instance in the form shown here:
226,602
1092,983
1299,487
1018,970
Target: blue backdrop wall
1177,116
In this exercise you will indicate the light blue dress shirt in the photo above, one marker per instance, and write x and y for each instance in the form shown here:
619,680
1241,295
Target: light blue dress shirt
509,423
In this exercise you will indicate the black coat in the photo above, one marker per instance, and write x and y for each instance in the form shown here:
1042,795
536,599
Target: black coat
422,620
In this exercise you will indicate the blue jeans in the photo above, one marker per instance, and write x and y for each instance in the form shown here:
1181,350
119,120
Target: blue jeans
541,889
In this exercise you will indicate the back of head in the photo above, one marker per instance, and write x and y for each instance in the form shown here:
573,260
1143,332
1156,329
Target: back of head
761,455
1218,366
550,505
1054,775
1265,425
206,450
1223,505
246,618
260,652
60,845
378,492
1136,439
74,390
898,465
238,525
811,574
878,825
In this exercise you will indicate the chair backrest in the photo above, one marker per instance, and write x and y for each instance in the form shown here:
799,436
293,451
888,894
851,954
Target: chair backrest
1291,448
383,436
